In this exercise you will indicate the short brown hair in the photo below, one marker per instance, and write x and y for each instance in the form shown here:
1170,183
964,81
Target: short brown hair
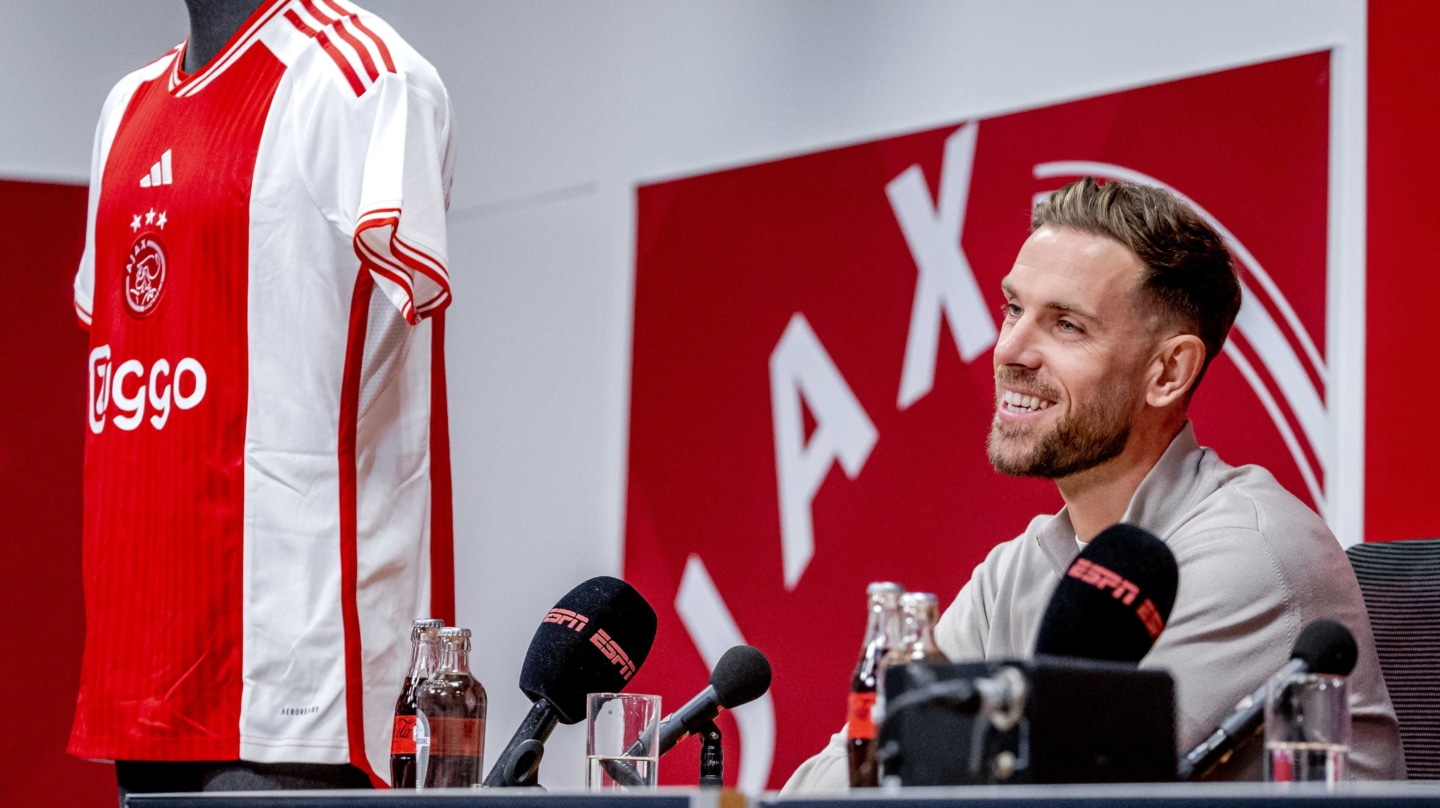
1189,274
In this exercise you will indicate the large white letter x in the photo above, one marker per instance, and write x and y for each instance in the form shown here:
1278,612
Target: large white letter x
945,280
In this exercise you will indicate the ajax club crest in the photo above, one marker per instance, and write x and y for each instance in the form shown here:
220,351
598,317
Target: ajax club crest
144,275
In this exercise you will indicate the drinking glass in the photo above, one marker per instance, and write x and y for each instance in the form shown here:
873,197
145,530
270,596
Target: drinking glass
621,734
1307,728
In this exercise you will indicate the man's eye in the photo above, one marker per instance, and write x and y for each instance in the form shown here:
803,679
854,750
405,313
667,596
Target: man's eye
1010,311
1068,326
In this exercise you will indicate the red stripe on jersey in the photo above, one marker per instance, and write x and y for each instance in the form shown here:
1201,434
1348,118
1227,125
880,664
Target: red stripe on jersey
324,19
83,316
349,516
335,55
435,304
424,261
442,519
360,50
379,43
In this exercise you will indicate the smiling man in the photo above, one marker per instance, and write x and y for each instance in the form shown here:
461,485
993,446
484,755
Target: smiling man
1116,305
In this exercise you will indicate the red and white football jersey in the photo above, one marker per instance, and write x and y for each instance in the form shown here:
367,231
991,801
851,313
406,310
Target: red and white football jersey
267,500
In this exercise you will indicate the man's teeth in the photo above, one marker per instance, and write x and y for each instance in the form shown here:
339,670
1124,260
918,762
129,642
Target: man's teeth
1023,403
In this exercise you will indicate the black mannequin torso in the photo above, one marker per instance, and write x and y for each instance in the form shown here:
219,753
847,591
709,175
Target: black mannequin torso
212,23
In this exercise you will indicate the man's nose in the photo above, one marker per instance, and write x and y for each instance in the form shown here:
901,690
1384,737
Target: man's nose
1016,344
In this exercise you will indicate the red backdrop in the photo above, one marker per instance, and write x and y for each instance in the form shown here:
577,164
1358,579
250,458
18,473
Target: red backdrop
1403,209
42,417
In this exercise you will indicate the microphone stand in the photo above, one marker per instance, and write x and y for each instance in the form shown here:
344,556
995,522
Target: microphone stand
519,763
712,756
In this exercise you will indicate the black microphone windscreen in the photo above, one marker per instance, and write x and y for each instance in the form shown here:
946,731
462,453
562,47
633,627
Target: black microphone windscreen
593,641
1326,647
741,676
1114,599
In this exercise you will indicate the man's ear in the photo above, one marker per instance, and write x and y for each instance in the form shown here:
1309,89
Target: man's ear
1176,366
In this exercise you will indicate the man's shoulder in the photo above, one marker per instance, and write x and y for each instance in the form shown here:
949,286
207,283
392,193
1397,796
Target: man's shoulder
1249,500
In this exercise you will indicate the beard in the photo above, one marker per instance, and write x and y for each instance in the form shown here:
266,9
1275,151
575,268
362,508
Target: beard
1088,435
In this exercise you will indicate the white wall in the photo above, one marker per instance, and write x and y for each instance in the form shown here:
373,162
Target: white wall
563,108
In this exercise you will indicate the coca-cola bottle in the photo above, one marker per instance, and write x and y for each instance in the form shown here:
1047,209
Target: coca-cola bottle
881,632
450,705
402,739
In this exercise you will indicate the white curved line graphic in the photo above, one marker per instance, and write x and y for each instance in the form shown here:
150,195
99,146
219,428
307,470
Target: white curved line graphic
1286,433
1264,335
1080,168
713,630
1284,366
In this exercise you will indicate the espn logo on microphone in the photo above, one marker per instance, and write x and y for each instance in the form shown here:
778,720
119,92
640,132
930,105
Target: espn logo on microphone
1122,590
567,618
614,653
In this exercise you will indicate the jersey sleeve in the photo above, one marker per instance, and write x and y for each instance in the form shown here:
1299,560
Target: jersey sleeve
378,165
85,275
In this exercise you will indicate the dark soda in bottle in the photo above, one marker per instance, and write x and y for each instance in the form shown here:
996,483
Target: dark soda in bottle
451,706
423,657
881,632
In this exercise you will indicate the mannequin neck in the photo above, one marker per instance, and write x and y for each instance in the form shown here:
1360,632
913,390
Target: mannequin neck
212,23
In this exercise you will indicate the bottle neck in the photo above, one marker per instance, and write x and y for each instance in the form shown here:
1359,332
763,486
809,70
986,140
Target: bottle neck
875,623
892,626
920,635
454,657
424,655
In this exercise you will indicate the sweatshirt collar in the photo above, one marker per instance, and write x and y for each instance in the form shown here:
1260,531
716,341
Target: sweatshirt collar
1158,504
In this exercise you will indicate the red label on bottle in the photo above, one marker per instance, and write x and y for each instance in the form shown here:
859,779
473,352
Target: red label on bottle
402,739
460,737
859,718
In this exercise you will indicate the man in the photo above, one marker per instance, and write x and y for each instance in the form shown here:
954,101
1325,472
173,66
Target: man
266,469
1117,303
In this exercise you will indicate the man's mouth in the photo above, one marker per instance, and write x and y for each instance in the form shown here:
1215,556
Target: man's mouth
1020,403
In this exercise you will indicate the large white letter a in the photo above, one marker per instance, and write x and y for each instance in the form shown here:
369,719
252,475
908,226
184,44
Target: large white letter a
799,366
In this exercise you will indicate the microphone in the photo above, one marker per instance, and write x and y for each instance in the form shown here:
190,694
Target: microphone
592,641
1114,599
1324,646
741,676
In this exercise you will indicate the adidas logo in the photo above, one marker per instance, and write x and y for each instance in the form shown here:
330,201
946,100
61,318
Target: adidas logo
159,173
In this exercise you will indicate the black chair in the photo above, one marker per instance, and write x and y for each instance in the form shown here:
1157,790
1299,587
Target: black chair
1401,584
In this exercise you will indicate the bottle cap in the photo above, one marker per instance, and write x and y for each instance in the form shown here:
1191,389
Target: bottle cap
455,632
427,622
919,597
884,587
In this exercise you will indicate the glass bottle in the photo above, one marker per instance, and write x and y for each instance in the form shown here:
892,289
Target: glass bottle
881,631
402,738
919,611
451,704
